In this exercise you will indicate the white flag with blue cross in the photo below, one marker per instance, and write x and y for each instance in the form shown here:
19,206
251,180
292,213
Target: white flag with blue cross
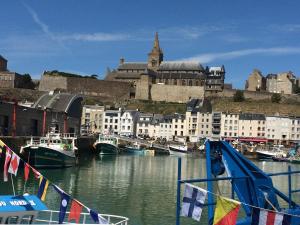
193,201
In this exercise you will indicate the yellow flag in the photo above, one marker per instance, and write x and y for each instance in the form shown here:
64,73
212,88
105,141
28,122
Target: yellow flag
226,211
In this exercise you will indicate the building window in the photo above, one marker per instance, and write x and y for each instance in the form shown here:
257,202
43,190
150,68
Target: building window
175,82
190,83
197,83
183,82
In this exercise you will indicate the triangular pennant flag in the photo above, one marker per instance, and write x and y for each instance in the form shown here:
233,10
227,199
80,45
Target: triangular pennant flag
75,211
14,164
1,147
37,174
97,218
26,171
43,188
226,211
7,159
63,207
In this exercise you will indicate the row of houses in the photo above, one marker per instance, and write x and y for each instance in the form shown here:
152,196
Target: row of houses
199,121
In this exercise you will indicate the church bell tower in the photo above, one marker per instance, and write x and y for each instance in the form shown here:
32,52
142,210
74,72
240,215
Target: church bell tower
155,57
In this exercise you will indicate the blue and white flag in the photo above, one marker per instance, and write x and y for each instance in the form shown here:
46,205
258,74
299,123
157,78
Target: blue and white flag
97,218
63,204
193,200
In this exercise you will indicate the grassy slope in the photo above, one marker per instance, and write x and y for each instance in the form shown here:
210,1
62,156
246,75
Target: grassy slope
223,105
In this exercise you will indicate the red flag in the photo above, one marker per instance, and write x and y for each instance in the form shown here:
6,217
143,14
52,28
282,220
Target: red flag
14,164
7,159
37,174
26,171
75,211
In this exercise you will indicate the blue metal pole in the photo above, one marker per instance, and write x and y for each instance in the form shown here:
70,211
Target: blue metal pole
209,183
232,185
290,186
178,192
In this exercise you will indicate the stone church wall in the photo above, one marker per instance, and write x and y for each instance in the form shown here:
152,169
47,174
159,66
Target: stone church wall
171,93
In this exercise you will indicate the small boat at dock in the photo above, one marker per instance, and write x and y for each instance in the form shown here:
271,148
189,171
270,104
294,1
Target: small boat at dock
106,145
175,149
134,149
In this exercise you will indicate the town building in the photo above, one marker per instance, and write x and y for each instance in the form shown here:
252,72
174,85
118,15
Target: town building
230,125
256,81
278,129
144,125
112,121
252,126
60,110
129,120
161,80
281,83
198,119
9,79
92,118
165,129
179,126
295,129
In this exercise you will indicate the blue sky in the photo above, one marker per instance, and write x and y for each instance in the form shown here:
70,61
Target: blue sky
88,36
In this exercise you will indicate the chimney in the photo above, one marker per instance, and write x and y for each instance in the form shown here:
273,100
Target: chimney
122,60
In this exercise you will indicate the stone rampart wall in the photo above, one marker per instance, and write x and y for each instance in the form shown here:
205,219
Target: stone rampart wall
171,93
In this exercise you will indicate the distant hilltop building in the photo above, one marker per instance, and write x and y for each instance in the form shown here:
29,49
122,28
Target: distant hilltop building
10,79
283,83
161,80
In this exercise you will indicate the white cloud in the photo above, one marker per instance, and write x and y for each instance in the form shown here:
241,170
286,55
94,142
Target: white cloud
285,27
95,37
210,57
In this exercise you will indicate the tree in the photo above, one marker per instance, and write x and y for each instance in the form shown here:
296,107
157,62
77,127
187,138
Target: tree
27,82
276,98
239,96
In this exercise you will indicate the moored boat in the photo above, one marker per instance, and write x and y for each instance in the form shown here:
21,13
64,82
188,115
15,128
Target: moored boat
269,154
55,150
134,149
106,145
175,149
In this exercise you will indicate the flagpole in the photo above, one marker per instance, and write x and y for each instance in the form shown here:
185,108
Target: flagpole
12,182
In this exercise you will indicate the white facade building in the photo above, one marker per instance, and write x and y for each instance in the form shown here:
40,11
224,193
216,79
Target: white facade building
278,129
229,125
129,120
295,129
252,125
112,121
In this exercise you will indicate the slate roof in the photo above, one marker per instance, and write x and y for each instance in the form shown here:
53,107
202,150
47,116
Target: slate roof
271,76
133,66
199,105
174,75
181,66
60,102
252,116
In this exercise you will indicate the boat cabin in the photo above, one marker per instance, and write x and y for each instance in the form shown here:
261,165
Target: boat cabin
21,209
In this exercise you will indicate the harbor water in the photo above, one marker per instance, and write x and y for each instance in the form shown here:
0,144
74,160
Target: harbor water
142,188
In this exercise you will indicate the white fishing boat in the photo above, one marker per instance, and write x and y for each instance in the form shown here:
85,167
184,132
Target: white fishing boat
55,150
269,154
106,145
178,149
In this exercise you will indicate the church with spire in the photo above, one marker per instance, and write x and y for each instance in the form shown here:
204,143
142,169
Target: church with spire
156,71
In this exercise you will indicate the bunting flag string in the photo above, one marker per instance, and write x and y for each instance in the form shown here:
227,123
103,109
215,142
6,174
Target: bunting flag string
226,212
76,206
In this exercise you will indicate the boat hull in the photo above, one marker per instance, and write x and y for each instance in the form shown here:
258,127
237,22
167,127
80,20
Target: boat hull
43,157
264,155
134,151
178,152
106,149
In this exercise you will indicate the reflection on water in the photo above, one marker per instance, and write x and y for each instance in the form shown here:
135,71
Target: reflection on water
142,188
